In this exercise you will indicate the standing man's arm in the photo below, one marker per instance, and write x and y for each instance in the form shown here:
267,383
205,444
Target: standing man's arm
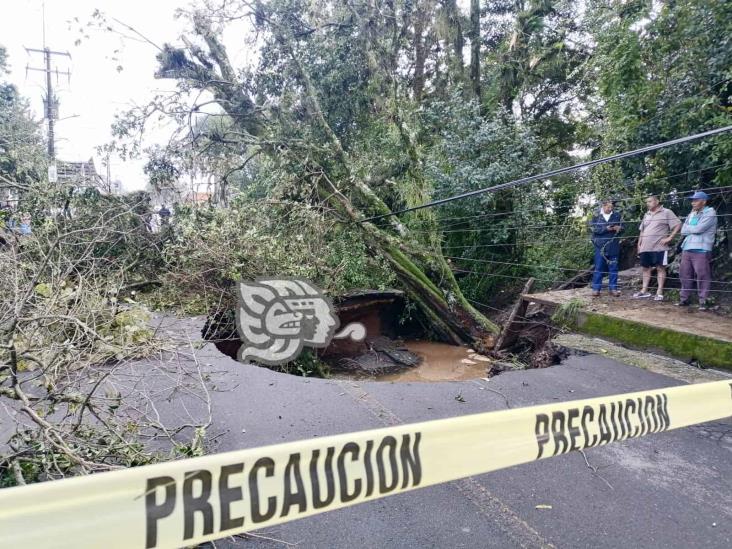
675,226
708,220
596,226
619,223
640,236
675,231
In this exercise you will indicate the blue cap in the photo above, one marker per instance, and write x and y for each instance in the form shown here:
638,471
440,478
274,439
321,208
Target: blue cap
699,195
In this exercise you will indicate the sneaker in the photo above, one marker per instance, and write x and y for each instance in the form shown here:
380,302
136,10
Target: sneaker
596,293
683,303
641,295
615,293
658,297
703,305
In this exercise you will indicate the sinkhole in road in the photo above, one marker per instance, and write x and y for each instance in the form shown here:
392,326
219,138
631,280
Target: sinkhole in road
397,361
437,362
396,348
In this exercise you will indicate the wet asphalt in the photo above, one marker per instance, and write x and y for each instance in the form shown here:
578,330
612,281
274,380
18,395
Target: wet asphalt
672,489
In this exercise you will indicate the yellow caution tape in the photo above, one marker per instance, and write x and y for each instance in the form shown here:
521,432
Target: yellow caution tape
187,502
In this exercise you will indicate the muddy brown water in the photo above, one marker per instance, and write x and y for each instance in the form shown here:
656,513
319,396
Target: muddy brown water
440,362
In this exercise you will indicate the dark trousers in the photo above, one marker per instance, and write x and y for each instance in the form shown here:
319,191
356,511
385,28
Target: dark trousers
605,265
695,266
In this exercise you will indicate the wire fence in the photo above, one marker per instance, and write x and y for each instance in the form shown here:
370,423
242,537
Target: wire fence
575,271
711,191
622,285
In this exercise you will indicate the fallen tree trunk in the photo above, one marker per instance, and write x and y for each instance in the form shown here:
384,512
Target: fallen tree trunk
510,333
451,315
423,272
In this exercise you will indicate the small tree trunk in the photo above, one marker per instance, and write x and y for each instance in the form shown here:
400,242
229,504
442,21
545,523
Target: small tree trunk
420,55
475,47
455,37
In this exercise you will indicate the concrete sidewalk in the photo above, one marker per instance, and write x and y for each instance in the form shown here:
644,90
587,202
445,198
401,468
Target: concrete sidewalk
683,332
668,490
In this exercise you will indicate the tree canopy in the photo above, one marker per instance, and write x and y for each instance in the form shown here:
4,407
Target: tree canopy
360,108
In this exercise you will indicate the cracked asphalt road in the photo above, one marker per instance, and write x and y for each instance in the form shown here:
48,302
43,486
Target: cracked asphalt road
668,490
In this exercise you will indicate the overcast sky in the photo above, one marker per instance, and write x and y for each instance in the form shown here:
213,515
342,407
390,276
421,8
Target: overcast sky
97,89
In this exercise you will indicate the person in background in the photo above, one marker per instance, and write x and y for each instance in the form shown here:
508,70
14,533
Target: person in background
699,230
6,213
164,214
25,224
657,231
606,225
154,223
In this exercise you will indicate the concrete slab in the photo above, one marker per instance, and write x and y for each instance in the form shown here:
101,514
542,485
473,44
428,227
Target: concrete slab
658,314
683,332
653,362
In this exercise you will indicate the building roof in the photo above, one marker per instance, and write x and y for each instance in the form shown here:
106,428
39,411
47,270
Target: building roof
196,197
80,173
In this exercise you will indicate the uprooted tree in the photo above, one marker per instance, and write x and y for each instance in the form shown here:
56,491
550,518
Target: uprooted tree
288,111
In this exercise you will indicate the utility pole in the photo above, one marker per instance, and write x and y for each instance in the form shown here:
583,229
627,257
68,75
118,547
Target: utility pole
50,102
109,173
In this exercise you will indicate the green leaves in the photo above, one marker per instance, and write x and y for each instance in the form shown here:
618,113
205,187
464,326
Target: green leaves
22,158
664,75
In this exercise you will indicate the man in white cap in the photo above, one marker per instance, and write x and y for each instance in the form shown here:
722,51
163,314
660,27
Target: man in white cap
699,230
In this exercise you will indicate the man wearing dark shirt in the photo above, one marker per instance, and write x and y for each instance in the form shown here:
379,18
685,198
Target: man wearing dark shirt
164,214
606,226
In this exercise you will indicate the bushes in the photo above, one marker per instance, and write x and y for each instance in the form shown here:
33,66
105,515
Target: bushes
66,328
208,250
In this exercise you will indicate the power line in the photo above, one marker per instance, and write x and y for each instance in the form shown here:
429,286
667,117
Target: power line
618,199
559,171
459,220
465,271
554,268
580,220
553,280
585,238
477,217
